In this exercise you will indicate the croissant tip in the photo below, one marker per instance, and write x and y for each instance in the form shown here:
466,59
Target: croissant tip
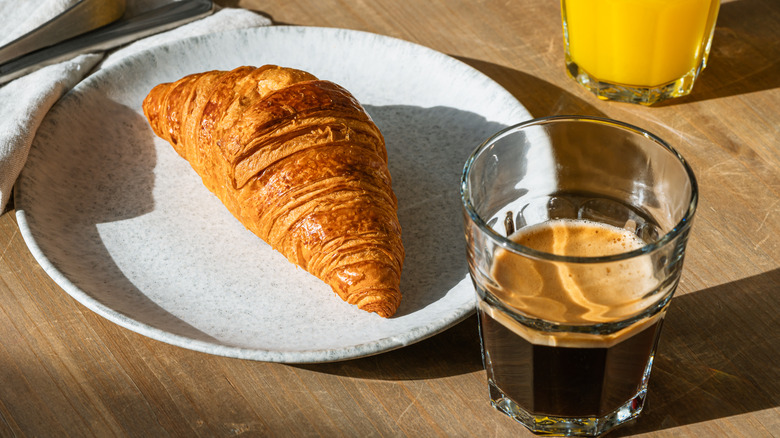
385,310
385,313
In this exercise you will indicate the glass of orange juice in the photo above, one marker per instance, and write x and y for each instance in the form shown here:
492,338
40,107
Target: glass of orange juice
641,51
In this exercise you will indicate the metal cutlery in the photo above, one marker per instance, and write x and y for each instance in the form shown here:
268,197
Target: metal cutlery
109,36
81,17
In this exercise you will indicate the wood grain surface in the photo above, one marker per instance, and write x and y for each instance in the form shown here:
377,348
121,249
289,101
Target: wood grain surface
64,371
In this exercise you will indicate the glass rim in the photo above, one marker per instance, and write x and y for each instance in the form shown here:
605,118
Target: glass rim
679,228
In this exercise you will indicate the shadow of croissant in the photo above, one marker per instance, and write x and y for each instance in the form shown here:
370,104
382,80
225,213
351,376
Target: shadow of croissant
427,148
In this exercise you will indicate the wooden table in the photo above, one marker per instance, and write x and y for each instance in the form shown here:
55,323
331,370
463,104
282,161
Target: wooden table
66,371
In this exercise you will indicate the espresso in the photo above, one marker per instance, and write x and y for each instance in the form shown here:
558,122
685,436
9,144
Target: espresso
565,381
566,373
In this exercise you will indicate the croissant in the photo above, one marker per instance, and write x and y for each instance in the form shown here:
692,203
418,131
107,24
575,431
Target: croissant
299,163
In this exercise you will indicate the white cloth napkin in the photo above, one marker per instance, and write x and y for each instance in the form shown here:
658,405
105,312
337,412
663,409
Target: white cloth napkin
25,101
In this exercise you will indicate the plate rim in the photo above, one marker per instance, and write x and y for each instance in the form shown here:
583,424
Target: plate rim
324,355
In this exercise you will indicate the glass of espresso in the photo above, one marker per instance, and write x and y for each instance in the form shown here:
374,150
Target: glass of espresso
576,230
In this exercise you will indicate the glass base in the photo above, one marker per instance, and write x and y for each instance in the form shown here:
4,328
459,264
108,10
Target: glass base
566,426
632,94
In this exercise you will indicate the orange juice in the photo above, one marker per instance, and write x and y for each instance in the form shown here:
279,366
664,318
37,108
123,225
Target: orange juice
643,43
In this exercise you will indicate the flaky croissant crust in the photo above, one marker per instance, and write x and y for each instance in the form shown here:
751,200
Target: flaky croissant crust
299,162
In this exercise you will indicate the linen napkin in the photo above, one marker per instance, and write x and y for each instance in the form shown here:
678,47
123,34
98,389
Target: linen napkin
25,101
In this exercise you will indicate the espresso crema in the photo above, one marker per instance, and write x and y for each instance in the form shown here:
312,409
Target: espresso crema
573,293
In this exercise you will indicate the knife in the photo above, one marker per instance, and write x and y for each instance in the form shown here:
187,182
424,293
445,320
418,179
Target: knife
112,35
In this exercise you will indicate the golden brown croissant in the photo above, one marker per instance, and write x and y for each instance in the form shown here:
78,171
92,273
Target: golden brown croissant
299,162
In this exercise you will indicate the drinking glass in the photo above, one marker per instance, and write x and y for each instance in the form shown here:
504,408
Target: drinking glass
641,51
569,322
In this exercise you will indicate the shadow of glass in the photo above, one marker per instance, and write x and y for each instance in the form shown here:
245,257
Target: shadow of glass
718,356
539,97
742,60
427,148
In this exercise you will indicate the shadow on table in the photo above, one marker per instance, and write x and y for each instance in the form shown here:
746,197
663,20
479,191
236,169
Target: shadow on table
718,356
742,60
539,97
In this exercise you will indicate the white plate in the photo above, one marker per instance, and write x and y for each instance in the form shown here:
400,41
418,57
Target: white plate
124,225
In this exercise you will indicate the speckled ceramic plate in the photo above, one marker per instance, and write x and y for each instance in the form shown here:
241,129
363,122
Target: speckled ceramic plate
124,225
